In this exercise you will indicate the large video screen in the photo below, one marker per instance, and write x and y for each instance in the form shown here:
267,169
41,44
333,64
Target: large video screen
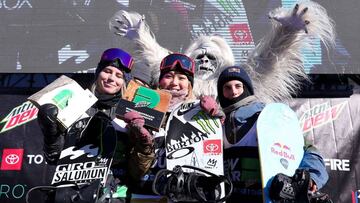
68,36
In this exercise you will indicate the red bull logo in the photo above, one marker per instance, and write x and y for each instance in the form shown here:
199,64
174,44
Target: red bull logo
319,115
282,150
19,115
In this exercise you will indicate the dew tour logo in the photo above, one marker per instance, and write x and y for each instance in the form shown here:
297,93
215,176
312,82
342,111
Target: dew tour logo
320,115
80,166
284,152
146,97
19,115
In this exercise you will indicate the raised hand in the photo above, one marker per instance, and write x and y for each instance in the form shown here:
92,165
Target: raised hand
127,24
47,119
209,105
294,20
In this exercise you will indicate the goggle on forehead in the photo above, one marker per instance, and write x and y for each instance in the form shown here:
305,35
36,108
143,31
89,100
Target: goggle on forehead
118,58
185,62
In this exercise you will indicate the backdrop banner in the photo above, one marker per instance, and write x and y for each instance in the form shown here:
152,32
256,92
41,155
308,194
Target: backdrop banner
332,125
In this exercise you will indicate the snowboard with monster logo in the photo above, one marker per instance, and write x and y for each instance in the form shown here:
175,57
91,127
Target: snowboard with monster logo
280,143
194,138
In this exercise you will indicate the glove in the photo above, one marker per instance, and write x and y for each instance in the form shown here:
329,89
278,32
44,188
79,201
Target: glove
143,138
293,188
210,106
293,21
127,24
53,141
47,119
134,118
319,197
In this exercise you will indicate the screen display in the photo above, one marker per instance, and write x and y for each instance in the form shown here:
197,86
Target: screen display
68,36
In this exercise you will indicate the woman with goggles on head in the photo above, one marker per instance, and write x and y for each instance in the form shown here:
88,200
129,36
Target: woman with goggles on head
109,84
177,78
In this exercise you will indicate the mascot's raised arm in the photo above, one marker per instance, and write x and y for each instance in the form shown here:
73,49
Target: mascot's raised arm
275,65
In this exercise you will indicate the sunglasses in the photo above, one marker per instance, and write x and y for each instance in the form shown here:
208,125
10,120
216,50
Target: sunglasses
185,62
116,57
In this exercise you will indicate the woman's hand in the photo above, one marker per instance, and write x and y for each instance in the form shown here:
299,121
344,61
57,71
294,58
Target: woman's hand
209,105
143,137
134,118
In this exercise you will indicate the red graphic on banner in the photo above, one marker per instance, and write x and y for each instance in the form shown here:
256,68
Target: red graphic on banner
212,146
19,115
319,115
240,33
12,159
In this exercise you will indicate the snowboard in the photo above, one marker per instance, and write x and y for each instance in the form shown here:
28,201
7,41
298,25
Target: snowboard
280,143
194,138
84,163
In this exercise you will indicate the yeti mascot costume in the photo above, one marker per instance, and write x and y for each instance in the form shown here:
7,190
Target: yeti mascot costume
275,65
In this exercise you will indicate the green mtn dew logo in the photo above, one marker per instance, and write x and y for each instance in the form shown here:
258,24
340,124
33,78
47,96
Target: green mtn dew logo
62,98
19,115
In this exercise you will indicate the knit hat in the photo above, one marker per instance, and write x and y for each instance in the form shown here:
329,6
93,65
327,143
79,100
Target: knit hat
117,58
142,72
233,73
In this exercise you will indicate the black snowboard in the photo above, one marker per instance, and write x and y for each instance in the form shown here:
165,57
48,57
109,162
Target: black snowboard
85,162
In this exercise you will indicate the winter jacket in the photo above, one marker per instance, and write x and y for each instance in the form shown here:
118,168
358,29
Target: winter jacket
241,157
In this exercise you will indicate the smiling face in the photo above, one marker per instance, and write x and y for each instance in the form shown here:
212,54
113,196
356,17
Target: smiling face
110,80
174,80
232,89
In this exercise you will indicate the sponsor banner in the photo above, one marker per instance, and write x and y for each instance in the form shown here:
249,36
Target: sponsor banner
22,164
331,125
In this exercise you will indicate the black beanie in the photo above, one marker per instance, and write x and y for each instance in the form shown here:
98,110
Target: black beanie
233,73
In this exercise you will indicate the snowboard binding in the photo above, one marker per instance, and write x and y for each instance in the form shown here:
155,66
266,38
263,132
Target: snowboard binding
182,186
285,189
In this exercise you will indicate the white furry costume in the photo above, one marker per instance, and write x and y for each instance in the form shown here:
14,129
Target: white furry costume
275,65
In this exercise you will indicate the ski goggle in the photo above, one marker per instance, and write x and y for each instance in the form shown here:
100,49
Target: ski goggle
116,57
186,63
